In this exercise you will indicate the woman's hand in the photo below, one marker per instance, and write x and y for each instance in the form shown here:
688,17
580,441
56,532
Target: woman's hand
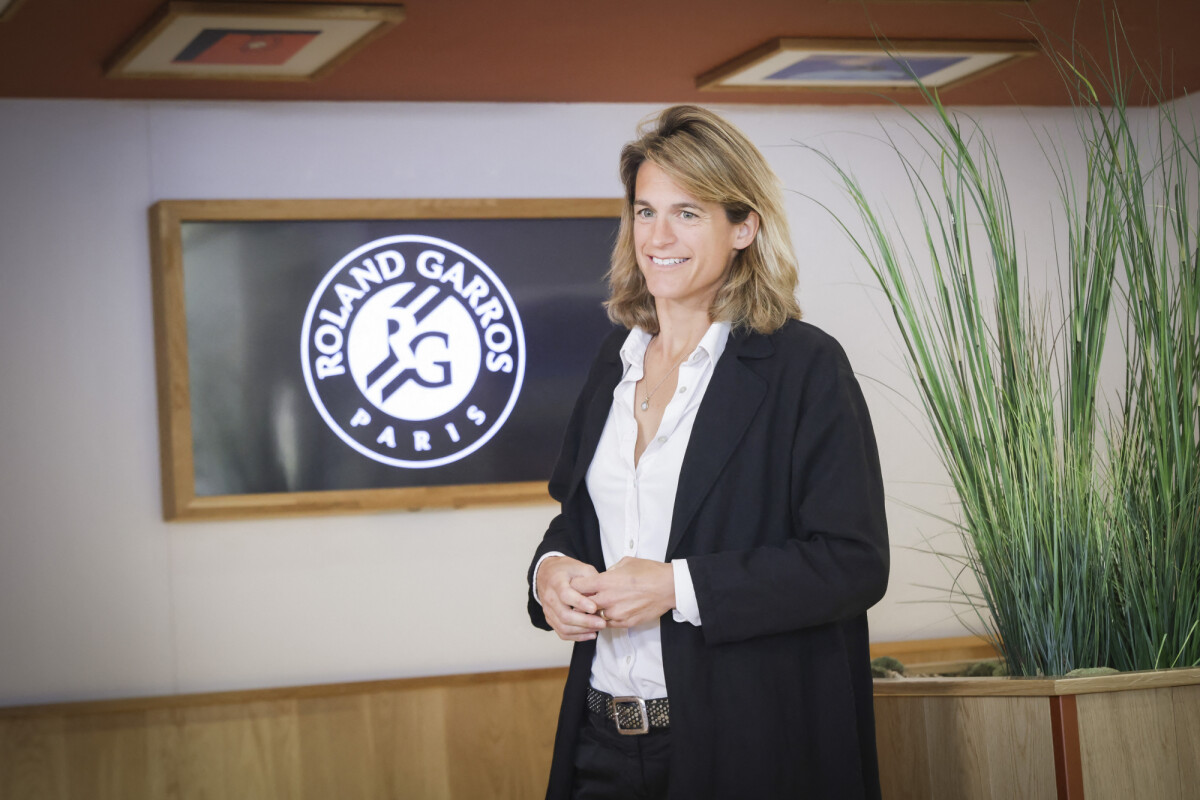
633,591
573,616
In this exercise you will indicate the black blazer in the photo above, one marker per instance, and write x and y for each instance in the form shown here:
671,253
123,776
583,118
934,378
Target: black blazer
779,513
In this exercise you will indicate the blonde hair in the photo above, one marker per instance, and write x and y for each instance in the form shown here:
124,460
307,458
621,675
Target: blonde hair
714,162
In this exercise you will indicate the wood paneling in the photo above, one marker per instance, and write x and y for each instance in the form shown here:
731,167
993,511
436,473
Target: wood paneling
960,739
572,52
903,744
957,748
925,651
1044,687
453,737
1131,744
32,758
490,736
1186,702
247,751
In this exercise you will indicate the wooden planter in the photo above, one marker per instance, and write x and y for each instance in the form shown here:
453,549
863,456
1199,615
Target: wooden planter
1129,736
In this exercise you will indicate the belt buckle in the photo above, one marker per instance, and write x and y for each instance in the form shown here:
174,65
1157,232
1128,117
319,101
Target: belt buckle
637,703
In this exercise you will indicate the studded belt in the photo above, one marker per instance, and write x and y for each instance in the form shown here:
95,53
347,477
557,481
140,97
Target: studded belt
632,715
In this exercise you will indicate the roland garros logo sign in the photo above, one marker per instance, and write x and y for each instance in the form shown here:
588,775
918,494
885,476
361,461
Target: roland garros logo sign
413,351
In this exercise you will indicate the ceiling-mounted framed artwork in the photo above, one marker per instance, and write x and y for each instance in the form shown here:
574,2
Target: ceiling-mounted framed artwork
862,64
250,41
323,356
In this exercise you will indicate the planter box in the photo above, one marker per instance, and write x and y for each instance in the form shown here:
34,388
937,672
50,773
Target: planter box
1133,735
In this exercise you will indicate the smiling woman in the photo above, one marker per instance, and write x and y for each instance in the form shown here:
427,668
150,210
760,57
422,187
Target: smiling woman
722,530
760,286
684,246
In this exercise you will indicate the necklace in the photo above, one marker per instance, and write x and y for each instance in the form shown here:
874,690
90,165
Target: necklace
646,400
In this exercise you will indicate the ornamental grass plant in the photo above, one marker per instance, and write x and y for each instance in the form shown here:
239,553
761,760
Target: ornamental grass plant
1079,504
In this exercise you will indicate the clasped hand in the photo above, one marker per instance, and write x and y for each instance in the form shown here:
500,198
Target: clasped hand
579,601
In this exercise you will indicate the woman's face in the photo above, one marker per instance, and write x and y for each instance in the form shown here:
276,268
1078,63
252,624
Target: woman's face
684,245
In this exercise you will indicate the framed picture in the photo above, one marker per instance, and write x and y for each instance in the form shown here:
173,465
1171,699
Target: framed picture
250,41
340,355
858,64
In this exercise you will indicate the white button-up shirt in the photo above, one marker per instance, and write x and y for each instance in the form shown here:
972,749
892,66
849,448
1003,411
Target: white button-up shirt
634,505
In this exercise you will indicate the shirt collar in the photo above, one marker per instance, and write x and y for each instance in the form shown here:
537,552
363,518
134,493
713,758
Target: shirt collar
712,345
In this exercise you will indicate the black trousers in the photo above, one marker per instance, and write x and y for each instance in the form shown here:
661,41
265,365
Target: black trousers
612,766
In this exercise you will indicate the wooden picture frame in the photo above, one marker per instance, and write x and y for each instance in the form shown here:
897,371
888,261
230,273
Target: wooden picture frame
253,423
250,41
862,64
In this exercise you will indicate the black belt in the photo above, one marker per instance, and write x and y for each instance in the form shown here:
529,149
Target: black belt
633,715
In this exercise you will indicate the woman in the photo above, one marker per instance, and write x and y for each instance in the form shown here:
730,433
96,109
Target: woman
722,530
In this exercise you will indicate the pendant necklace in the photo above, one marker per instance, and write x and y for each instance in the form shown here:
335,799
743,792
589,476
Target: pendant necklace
646,400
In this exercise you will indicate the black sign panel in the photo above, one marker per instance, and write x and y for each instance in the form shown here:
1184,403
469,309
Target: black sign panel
336,355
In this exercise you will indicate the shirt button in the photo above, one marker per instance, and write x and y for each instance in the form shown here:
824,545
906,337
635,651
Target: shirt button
631,544
682,389
662,440
628,659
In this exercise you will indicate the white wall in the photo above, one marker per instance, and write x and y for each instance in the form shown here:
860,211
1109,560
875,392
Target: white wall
100,598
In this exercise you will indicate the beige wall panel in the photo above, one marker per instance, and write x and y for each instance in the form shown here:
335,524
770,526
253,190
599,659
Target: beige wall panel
1186,702
903,749
989,747
1128,748
32,759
